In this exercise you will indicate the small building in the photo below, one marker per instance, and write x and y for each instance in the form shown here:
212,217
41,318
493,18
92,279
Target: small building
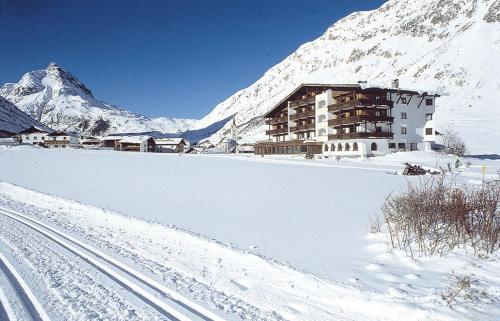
91,143
111,141
33,135
170,145
137,144
60,139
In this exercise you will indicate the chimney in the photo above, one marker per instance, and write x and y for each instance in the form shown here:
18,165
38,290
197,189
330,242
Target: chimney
395,83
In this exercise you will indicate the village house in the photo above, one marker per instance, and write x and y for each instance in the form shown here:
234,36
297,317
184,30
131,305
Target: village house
136,144
60,139
170,145
111,141
91,143
33,135
350,120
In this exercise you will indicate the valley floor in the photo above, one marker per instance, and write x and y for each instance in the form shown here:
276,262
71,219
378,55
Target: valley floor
110,235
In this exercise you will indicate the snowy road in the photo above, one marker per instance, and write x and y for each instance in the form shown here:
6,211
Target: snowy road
153,294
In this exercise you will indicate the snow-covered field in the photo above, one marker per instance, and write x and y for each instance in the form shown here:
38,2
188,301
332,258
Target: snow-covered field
243,237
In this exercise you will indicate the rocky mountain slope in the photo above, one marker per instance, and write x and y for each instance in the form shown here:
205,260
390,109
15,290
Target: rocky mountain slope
447,46
59,100
14,120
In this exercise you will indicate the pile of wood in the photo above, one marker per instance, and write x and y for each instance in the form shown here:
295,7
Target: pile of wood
413,170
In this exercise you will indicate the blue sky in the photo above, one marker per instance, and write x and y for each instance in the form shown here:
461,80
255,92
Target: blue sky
162,58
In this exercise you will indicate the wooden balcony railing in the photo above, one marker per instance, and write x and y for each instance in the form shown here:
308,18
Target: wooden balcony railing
360,135
358,119
277,131
302,127
277,120
307,114
361,102
303,102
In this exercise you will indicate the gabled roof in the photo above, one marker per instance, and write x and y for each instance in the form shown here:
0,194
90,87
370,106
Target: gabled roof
134,139
33,129
169,141
113,137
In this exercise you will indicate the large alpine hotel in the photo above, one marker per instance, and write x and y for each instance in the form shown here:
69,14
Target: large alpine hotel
350,120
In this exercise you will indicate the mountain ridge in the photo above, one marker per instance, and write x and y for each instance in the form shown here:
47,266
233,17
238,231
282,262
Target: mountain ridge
427,44
59,100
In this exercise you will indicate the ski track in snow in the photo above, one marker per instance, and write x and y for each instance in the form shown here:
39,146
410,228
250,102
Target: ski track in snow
28,299
59,237
235,308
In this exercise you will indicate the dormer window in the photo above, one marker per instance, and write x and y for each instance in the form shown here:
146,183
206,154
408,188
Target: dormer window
429,102
403,100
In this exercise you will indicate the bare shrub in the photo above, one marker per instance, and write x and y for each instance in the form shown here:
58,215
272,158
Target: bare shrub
454,143
375,224
437,216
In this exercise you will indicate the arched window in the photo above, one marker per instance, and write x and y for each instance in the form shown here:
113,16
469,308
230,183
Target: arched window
322,132
332,147
355,147
374,146
339,147
321,118
326,147
347,147
321,103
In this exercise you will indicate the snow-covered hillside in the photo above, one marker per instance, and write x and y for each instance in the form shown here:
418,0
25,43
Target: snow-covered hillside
60,101
14,120
448,46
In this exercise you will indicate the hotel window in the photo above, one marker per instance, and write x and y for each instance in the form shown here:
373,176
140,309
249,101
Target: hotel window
403,100
355,147
429,101
428,131
428,116
373,147
403,115
392,145
401,145
403,130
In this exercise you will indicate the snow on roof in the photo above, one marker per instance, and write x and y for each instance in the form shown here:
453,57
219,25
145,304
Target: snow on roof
90,140
113,137
168,141
134,139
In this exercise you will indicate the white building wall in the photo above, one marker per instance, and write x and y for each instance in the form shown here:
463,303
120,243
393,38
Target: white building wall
34,138
321,115
416,110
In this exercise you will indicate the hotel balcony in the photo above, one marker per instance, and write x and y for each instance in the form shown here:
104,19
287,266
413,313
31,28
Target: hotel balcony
359,119
303,102
277,120
361,135
277,131
305,127
303,115
360,102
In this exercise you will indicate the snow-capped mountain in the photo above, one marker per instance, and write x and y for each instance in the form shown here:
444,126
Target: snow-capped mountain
14,120
59,100
451,47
